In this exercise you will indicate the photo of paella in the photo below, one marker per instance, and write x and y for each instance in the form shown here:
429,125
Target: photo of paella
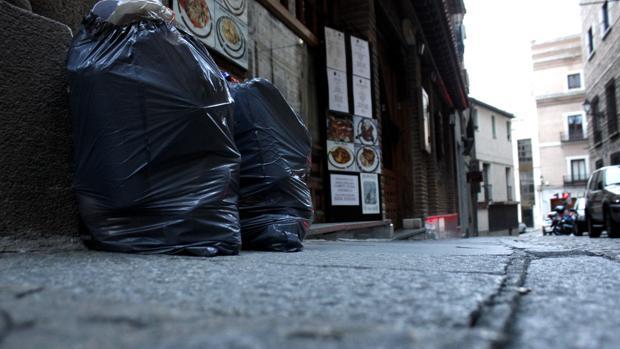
339,128
195,15
340,156
230,37
367,159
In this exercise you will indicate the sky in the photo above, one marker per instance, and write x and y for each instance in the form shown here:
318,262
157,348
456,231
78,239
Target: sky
497,47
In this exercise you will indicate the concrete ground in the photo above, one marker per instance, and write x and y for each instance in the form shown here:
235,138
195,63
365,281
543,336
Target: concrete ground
527,291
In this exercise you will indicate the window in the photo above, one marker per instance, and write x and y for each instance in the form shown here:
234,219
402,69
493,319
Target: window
596,121
578,170
508,185
525,149
612,111
508,135
590,40
599,163
614,158
493,126
574,81
604,16
575,127
474,115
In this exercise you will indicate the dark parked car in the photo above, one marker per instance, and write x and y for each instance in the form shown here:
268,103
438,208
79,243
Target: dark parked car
603,202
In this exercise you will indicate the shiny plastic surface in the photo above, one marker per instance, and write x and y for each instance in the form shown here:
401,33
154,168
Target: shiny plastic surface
275,203
156,167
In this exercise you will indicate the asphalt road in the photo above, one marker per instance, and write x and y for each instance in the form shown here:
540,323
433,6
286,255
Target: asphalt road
513,292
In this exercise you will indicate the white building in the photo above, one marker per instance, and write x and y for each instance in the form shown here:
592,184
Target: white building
497,205
562,164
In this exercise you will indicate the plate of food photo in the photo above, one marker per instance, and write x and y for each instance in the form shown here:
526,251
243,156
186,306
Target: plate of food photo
230,37
340,156
367,132
340,129
367,159
196,16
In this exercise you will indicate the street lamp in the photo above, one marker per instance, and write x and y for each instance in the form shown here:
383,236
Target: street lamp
587,106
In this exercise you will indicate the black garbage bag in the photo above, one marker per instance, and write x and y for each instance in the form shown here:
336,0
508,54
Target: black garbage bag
275,205
157,170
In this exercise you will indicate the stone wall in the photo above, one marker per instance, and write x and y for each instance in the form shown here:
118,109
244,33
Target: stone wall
35,131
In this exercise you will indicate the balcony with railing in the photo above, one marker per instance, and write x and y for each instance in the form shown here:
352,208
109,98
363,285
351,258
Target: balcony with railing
568,137
576,179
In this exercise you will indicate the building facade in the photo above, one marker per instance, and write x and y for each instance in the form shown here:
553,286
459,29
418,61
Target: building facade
497,205
602,72
563,164
401,67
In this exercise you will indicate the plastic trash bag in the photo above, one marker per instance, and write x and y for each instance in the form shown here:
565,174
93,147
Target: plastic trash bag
156,164
274,203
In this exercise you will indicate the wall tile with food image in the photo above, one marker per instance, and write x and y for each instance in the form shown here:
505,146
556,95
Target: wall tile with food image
365,130
238,8
230,35
368,158
340,128
341,156
197,18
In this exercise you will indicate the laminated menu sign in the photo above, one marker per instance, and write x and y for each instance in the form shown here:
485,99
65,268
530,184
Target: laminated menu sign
338,92
370,193
344,190
360,57
361,97
334,49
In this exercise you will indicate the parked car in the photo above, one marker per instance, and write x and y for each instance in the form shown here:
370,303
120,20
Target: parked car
580,216
603,202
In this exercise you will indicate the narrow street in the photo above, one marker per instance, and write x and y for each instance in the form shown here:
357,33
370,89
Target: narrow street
510,292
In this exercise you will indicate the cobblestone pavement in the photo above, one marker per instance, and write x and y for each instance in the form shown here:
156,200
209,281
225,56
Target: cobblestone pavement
527,291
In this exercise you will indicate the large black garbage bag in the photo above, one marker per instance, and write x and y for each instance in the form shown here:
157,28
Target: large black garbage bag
274,203
156,164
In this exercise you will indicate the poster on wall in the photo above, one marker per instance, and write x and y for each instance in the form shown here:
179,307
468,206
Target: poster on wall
344,190
370,193
341,156
365,131
360,57
368,158
220,24
362,99
335,50
337,89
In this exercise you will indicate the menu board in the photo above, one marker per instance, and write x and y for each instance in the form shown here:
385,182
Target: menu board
370,193
336,57
338,91
220,24
362,100
344,190
360,57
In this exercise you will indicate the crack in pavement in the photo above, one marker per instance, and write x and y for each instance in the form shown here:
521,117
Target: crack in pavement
497,312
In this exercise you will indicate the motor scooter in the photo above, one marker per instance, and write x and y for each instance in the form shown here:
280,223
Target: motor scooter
562,221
